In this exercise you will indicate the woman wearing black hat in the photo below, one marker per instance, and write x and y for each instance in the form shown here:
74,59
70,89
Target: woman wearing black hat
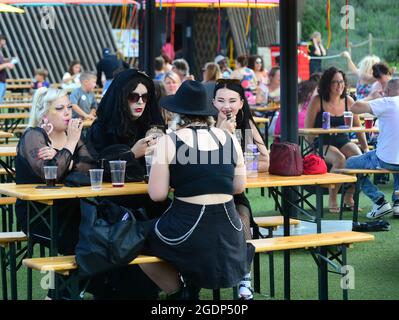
201,233
235,116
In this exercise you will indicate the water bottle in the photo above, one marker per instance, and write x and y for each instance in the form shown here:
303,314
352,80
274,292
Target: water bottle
326,120
252,160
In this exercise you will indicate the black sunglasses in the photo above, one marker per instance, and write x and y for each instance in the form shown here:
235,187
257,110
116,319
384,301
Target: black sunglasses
134,97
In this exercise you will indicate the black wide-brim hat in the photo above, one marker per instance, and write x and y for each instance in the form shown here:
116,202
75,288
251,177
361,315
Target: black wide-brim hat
190,99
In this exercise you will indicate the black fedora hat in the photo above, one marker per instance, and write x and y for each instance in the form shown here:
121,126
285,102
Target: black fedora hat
190,99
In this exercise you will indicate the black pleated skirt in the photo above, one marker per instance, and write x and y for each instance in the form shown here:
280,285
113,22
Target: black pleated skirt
210,252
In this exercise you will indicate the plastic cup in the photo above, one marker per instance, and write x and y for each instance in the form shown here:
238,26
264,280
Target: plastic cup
368,123
118,169
251,163
148,163
96,178
50,175
348,119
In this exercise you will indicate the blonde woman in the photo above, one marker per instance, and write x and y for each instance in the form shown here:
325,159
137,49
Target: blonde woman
211,73
52,138
172,82
364,72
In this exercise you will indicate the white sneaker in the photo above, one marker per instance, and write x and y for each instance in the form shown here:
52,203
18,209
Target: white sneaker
396,209
379,211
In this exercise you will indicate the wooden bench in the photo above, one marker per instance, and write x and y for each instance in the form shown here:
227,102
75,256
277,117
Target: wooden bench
8,256
316,243
359,173
6,206
270,223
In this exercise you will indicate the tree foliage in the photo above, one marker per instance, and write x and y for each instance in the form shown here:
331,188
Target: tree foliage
378,17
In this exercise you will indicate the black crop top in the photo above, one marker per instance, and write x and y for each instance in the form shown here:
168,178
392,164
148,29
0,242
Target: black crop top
335,121
194,172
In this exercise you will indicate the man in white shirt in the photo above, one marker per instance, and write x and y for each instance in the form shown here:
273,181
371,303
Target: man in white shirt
386,155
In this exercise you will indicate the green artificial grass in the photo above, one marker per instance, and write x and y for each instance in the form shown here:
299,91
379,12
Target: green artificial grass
375,263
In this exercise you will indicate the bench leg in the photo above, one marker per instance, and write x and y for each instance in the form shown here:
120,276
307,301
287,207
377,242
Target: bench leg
341,206
235,292
271,274
29,272
216,294
3,270
13,271
356,197
256,263
10,213
3,219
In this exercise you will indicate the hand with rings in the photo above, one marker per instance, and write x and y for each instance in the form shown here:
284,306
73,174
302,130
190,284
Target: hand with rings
140,147
74,130
46,153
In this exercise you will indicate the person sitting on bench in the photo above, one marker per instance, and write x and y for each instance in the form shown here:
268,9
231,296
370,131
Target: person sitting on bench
386,155
201,234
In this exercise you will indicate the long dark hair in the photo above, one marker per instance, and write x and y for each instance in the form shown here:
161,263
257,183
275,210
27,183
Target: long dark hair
305,90
244,117
380,69
72,64
325,83
251,62
114,114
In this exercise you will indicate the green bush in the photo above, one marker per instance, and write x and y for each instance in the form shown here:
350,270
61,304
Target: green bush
378,17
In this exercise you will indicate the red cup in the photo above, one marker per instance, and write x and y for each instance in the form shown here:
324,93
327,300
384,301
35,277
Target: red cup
368,123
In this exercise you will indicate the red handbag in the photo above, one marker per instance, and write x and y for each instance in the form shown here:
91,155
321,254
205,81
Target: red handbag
313,164
285,159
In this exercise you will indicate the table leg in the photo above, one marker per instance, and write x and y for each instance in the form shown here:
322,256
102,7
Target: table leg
321,142
319,207
356,197
323,275
287,256
344,263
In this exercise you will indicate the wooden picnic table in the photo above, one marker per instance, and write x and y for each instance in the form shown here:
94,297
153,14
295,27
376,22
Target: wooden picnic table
18,86
30,193
260,120
4,134
17,106
7,151
15,115
320,132
10,121
270,108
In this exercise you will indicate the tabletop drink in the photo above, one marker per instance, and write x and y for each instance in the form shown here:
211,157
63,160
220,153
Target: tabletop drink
96,178
50,175
348,119
118,169
148,163
326,120
368,123
252,160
